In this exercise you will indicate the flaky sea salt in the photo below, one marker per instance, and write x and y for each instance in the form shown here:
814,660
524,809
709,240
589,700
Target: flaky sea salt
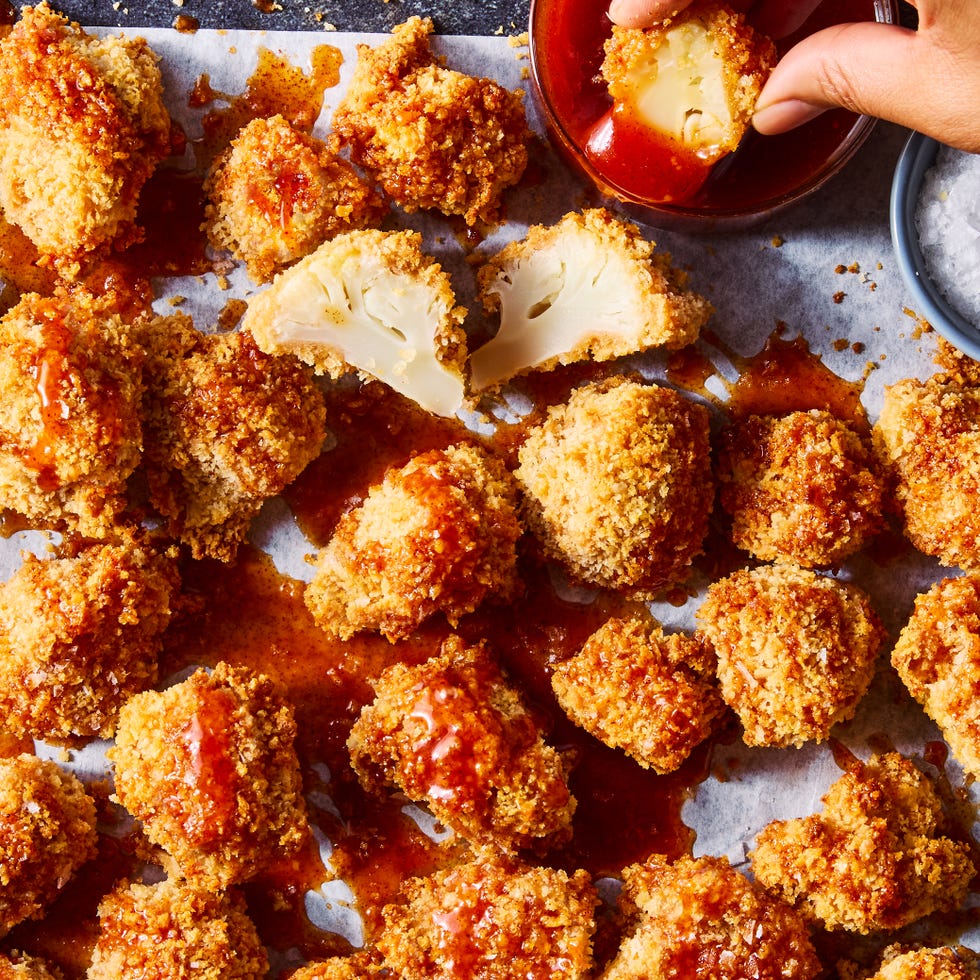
947,220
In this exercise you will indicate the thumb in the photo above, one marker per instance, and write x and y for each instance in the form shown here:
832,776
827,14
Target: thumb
877,69
643,13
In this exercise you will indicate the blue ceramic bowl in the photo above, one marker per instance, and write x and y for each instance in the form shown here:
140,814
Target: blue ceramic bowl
916,158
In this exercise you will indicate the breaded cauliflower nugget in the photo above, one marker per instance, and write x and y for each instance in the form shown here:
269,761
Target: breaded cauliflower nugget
941,963
699,919
373,303
70,430
82,127
210,768
174,929
227,427
695,78
796,650
491,918
938,658
452,732
430,136
21,966
47,832
358,966
641,690
928,433
590,286
875,858
618,485
79,635
803,488
437,535
276,193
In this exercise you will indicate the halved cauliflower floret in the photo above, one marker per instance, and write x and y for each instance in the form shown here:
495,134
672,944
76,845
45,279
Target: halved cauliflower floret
372,302
695,78
589,286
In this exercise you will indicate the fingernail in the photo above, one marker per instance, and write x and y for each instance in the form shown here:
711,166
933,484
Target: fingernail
615,9
781,116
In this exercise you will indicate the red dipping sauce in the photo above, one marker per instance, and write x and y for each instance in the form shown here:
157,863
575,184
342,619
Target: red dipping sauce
764,174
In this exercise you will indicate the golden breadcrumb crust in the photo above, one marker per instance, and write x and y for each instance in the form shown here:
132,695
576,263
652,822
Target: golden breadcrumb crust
437,535
358,966
70,430
638,689
796,650
47,832
699,919
937,655
942,963
226,428
175,930
928,434
742,58
209,767
595,284
875,858
82,127
491,919
803,488
19,966
619,486
454,733
80,635
432,137
276,193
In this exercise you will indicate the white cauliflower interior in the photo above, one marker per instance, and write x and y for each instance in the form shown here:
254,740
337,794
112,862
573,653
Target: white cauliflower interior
588,286
369,301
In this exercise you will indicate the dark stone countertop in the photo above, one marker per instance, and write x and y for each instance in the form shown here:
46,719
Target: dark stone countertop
456,17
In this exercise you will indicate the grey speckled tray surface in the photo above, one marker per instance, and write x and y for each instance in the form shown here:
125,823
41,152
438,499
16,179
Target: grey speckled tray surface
457,17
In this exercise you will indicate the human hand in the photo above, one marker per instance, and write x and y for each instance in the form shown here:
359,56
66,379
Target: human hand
927,79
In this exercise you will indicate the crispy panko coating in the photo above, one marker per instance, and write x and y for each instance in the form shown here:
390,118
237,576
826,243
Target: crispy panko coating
227,427
47,832
437,535
452,732
79,635
358,966
20,966
619,486
82,127
210,768
695,78
875,858
176,930
641,690
938,658
374,303
803,488
589,287
941,963
491,919
277,193
928,433
796,650
430,136
699,919
70,430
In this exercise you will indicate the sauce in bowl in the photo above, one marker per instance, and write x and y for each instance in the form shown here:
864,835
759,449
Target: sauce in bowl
631,164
